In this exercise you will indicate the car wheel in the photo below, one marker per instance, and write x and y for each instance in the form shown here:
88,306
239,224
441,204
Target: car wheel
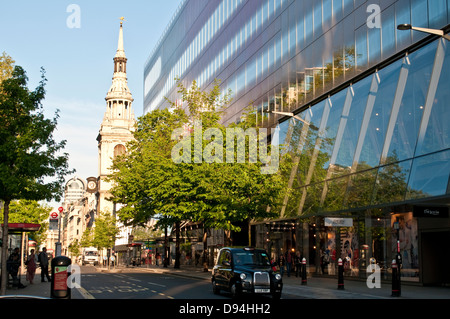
215,288
234,291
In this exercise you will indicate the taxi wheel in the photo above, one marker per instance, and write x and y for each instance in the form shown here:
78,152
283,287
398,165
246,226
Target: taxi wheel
234,291
215,289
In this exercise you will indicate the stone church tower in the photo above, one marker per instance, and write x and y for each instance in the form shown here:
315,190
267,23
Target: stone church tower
117,126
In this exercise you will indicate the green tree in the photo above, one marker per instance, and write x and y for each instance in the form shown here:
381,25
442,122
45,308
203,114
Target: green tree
75,248
105,231
30,211
87,238
165,172
31,166
6,67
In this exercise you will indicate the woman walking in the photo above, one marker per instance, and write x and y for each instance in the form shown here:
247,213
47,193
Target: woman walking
31,266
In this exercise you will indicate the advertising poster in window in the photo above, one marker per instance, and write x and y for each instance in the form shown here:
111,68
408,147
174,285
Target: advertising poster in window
408,243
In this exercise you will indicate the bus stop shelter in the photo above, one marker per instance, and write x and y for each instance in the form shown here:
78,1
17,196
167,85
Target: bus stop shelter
19,229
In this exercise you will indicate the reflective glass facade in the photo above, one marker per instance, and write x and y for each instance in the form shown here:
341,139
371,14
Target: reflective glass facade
377,146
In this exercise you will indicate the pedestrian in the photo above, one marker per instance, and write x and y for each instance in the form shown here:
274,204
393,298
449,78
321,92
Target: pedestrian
281,262
298,263
288,263
12,266
31,266
43,262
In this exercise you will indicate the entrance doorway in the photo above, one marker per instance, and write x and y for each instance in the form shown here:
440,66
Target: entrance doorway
435,259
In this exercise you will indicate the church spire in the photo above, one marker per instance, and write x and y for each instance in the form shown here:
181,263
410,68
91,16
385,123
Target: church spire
119,95
120,51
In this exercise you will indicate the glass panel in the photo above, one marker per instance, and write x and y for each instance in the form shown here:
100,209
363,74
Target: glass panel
352,124
391,183
419,13
306,157
301,32
312,201
403,15
318,19
329,137
293,202
388,32
437,136
429,175
360,189
361,48
407,126
379,119
337,10
374,37
327,5
284,126
251,73
289,170
437,13
308,23
335,189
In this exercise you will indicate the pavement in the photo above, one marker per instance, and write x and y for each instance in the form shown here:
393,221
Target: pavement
316,287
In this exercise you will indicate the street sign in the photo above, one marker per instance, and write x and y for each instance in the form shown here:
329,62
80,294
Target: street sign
53,225
338,222
54,215
61,209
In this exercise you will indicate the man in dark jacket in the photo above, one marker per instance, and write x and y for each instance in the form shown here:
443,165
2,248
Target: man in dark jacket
43,261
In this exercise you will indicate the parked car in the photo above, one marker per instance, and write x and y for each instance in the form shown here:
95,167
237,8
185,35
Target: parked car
245,271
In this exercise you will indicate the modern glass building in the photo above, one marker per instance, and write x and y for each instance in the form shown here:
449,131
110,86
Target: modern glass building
370,163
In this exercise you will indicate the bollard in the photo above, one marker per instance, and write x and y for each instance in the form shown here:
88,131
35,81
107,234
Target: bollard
304,280
340,274
396,290
59,288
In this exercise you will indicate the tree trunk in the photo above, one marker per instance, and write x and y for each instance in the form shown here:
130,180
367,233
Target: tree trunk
205,250
166,249
177,245
228,238
4,248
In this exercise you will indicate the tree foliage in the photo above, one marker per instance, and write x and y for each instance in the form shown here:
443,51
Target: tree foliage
176,169
31,164
33,212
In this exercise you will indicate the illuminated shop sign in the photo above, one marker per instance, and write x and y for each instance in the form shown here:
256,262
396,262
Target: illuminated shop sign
427,211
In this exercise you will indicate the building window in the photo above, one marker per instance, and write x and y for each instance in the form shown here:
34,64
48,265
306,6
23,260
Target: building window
119,150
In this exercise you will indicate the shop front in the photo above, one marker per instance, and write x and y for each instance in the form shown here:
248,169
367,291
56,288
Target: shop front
416,234
371,237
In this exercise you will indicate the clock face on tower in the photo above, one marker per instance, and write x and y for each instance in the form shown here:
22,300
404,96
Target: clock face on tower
91,185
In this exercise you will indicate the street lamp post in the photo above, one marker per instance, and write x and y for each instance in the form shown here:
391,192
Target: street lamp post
438,32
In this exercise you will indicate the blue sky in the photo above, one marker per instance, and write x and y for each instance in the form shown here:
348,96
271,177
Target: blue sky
79,61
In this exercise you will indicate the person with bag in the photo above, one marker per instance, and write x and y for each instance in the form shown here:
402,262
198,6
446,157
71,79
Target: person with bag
31,266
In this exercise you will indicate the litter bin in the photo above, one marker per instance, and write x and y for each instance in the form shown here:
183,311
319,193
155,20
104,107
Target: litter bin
60,274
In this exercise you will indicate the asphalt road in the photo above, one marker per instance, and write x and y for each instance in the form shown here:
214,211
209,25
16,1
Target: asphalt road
145,285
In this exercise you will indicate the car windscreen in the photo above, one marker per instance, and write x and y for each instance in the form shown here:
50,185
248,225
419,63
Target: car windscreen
91,253
251,258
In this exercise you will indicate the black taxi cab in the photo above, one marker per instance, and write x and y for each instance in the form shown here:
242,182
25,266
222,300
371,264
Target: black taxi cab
245,271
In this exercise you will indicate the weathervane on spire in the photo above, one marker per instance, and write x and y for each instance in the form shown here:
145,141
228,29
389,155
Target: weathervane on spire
122,19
